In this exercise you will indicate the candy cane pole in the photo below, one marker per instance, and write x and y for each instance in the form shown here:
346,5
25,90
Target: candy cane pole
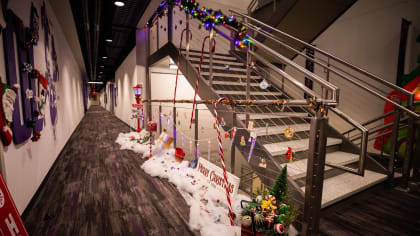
179,58
198,74
223,159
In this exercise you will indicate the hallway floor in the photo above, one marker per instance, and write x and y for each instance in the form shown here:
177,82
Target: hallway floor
94,188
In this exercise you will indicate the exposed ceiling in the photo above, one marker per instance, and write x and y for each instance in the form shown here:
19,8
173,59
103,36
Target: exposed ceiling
99,20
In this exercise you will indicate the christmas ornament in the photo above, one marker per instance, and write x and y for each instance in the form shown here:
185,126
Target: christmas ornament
226,135
263,163
242,141
36,136
258,219
223,123
227,68
279,228
193,164
288,132
264,84
234,132
280,218
289,154
252,149
250,125
269,203
246,221
283,208
179,154
240,80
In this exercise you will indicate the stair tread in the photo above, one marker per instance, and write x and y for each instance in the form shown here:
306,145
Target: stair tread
230,75
297,169
215,60
215,56
280,129
234,83
281,148
223,68
257,116
244,92
347,184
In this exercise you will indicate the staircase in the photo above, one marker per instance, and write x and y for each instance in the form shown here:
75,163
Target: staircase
231,83
348,170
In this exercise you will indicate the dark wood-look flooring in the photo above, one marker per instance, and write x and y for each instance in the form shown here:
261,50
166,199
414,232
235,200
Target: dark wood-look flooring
94,188
378,211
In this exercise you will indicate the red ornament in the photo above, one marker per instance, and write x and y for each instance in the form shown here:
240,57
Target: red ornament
226,135
179,155
417,96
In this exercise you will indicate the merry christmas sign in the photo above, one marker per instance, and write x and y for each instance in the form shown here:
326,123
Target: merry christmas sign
214,175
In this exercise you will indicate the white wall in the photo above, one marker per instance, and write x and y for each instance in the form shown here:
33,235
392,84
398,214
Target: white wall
125,79
368,36
27,164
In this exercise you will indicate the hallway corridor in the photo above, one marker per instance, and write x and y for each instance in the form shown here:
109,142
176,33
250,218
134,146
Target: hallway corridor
96,189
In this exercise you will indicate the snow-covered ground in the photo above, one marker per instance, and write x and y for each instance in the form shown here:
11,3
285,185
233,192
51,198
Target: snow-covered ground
208,205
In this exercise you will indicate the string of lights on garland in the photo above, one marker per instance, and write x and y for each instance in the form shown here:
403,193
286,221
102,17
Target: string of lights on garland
209,19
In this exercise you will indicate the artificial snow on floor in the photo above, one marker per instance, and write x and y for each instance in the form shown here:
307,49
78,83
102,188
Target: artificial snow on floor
128,141
208,205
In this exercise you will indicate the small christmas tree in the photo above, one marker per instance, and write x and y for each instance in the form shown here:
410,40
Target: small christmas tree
279,189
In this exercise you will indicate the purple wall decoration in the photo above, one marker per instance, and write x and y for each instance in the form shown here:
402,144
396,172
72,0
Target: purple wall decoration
21,133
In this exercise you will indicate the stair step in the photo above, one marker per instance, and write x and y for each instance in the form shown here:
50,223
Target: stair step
224,62
234,83
223,68
347,184
297,169
244,93
280,129
230,75
281,148
206,55
260,116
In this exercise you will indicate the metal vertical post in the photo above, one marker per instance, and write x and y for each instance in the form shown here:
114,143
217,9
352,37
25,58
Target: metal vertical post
416,159
157,34
148,81
210,57
187,36
233,147
394,142
174,125
160,118
196,129
408,152
248,83
315,175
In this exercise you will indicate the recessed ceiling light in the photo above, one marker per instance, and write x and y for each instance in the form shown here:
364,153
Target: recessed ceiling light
119,3
101,72
108,40
104,57
102,66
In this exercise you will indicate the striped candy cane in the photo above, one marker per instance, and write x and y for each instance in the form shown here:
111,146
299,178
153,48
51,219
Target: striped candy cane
223,159
179,58
198,74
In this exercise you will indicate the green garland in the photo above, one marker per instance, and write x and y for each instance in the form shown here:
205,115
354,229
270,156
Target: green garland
209,19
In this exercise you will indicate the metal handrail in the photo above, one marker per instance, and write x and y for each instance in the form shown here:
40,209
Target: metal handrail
251,5
363,143
382,81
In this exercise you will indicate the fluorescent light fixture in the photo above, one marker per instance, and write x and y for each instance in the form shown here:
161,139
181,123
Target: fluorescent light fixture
94,82
108,40
119,3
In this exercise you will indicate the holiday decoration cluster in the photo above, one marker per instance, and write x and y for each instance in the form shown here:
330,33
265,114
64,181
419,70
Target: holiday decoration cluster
270,212
209,19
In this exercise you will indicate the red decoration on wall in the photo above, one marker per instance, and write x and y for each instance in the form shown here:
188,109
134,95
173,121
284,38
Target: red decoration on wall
10,221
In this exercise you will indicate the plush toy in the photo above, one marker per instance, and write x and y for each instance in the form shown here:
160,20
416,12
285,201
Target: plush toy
246,221
289,154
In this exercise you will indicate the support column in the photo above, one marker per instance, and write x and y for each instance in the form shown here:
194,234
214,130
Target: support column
248,83
196,129
408,152
233,147
160,118
210,57
174,125
315,176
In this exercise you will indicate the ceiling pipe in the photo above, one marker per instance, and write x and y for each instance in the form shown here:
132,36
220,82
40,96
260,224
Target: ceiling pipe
87,35
96,35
